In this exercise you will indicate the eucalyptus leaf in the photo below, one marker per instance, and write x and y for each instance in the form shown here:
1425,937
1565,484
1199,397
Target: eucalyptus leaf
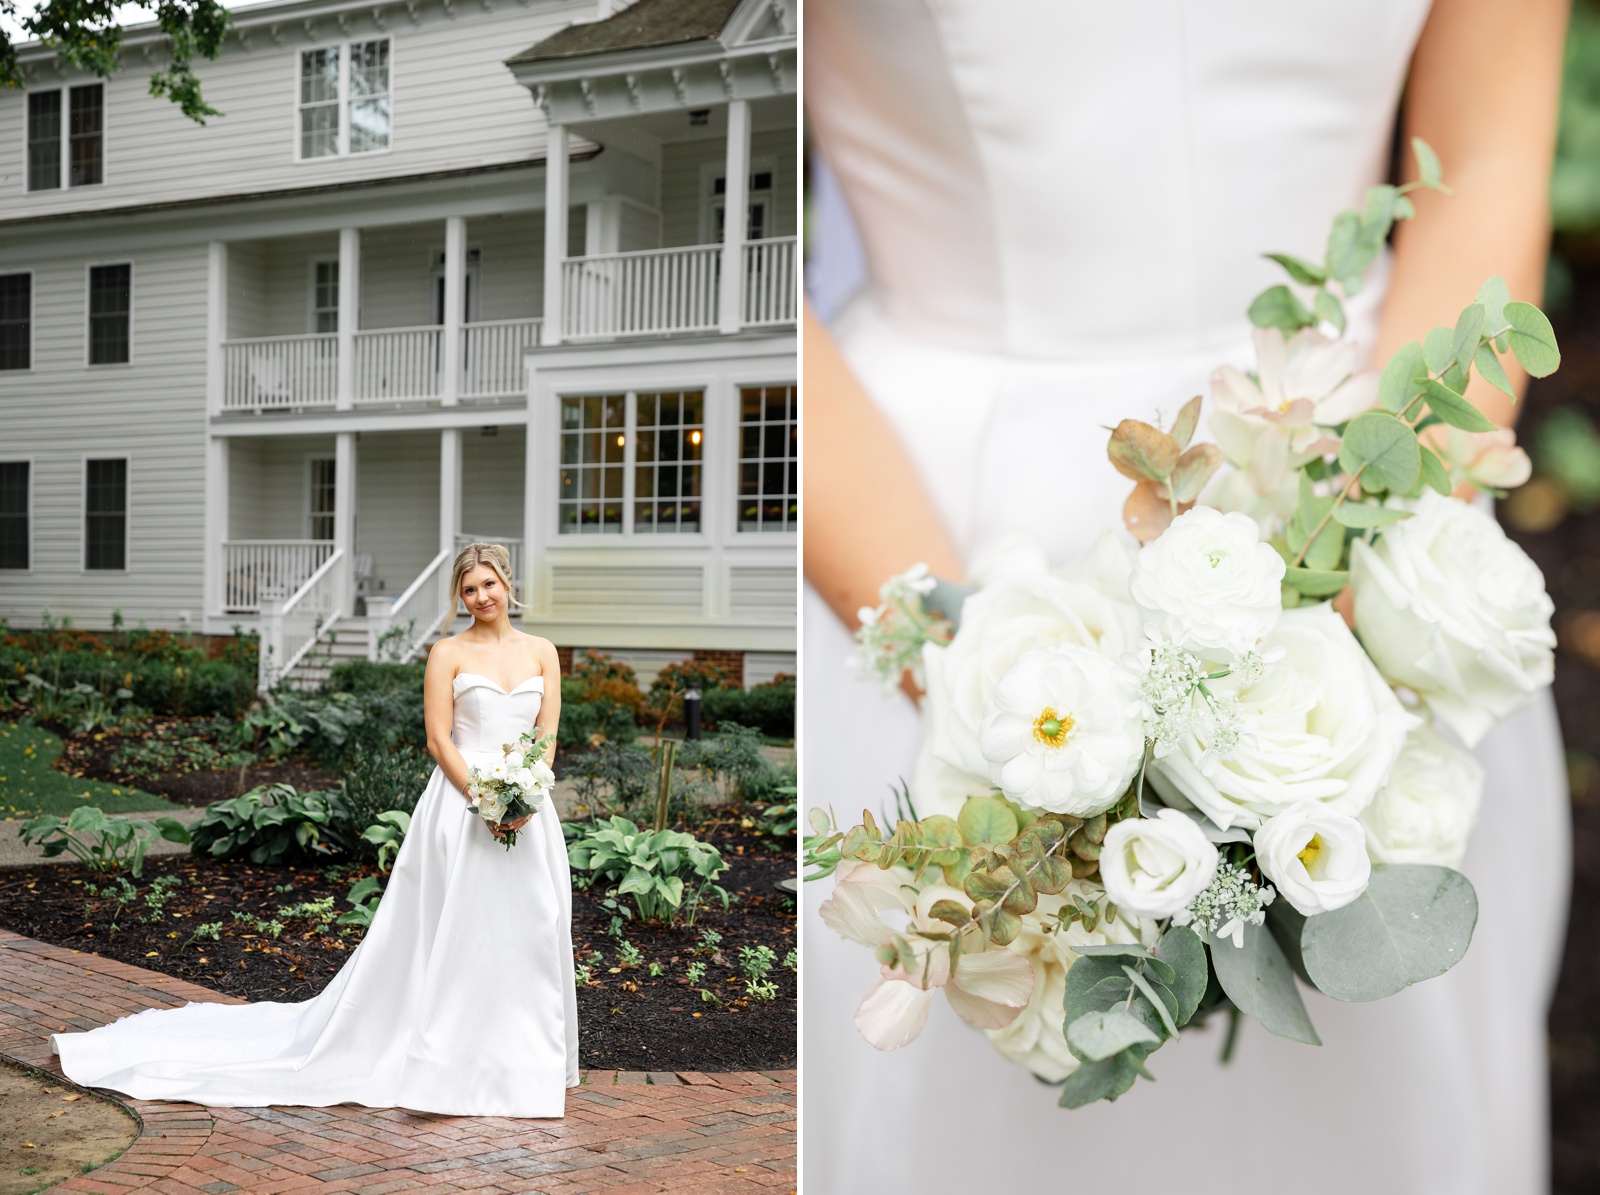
1494,295
1183,427
1181,949
1493,372
1277,307
1327,308
1326,550
1385,446
1304,272
1103,1080
1413,922
1361,515
1532,339
1287,923
1454,408
1098,1035
1439,348
986,819
1315,582
1428,170
1346,257
1257,978
1400,381
1088,984
1112,950
1469,330
1434,473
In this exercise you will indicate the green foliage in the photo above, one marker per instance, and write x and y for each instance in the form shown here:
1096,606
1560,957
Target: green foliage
1258,979
684,675
360,677
80,708
379,782
664,871
769,707
591,723
613,776
387,834
99,842
31,784
364,896
166,749
1567,449
732,758
1575,177
271,824
756,961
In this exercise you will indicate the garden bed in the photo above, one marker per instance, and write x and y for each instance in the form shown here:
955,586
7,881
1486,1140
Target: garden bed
628,1019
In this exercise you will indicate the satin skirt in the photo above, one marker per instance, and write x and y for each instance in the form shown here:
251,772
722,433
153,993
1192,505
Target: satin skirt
459,1000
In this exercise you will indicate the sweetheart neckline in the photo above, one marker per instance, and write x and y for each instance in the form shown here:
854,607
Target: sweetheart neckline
538,676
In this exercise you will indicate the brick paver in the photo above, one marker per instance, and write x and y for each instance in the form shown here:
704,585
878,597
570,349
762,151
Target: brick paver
625,1133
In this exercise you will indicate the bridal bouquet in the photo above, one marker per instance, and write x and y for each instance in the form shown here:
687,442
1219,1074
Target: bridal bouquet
514,787
1160,785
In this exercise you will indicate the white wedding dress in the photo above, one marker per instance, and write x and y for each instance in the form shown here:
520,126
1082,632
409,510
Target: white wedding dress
459,1000
1063,206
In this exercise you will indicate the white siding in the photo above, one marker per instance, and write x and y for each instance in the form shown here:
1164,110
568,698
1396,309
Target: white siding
492,470
397,504
688,166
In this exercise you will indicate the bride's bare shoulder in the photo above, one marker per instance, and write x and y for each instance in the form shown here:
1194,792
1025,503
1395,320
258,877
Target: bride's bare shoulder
545,650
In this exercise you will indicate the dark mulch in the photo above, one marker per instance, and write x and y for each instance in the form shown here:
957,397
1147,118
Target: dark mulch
627,1019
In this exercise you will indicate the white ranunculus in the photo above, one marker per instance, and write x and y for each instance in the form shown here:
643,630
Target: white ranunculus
1209,584
1427,810
1155,866
1037,1038
499,771
1453,610
1319,723
1062,731
1272,423
998,624
1316,856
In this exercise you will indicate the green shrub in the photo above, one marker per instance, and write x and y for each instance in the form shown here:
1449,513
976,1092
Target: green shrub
688,674
732,757
615,775
219,689
190,747
100,842
666,872
583,720
272,824
769,707
366,676
381,782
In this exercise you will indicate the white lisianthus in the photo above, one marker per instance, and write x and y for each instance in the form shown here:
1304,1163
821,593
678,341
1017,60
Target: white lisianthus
1271,424
514,761
1232,489
543,777
1487,460
1455,611
1209,584
1037,1039
1062,731
998,624
1318,723
1316,856
1155,866
499,771
1427,810
524,779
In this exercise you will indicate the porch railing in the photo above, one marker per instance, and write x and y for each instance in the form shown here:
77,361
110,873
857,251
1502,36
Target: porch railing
641,293
770,283
280,372
291,627
397,364
492,356
253,566
399,633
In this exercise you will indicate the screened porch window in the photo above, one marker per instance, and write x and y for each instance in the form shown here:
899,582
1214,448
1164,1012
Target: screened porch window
769,459
321,503
105,508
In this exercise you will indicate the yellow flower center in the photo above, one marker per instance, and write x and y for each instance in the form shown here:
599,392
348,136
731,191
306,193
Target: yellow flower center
1052,729
1311,850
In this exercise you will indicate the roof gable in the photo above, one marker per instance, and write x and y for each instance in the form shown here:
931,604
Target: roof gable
648,24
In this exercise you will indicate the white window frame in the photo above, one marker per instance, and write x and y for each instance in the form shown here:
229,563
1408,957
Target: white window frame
33,328
628,537
83,514
311,293
709,171
64,158
88,277
735,535
33,481
343,152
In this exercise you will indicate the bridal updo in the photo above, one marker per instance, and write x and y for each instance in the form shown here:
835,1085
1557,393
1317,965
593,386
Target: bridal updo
493,556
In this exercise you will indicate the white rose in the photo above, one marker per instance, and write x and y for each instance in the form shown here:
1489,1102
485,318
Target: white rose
1155,866
1037,1039
1062,731
1209,584
492,808
1453,610
1427,810
998,624
525,780
1316,856
1319,723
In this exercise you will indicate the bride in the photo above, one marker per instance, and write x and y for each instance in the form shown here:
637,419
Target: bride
1063,206
460,999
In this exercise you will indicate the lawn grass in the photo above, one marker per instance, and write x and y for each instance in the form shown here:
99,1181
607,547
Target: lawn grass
30,783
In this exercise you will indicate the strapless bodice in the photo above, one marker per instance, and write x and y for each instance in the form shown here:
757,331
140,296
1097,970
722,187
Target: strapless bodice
487,717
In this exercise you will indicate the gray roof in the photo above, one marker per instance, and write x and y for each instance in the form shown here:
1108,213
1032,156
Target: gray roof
647,24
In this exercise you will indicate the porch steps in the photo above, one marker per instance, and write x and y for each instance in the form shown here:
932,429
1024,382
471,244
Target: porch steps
348,641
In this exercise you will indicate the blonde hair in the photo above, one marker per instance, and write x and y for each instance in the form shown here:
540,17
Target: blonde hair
470,557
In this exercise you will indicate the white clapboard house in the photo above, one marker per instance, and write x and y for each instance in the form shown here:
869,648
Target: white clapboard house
444,270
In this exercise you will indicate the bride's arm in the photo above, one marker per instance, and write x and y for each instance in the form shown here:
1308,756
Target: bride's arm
549,719
438,715
1484,88
867,514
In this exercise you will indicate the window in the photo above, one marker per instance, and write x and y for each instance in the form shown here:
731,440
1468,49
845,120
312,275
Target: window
78,141
760,197
44,140
14,530
322,498
16,321
325,296
667,456
593,469
105,514
344,100
769,475
110,312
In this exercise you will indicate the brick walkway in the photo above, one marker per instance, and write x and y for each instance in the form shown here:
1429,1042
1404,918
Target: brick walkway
624,1133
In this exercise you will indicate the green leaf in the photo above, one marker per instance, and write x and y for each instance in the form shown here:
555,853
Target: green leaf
1532,339
1183,427
1286,923
1347,256
1103,1080
1112,950
1304,272
986,819
1315,582
1257,978
1083,991
1327,550
1428,170
1277,307
1327,308
1181,949
1385,446
951,911
1454,409
1439,348
1494,296
1434,473
1098,1035
1469,330
1493,372
989,885
1413,922
1361,515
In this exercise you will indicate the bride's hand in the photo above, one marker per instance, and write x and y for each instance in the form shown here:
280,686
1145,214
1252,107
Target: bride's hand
501,830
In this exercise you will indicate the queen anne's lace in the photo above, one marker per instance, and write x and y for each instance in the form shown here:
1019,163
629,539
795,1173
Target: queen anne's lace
1177,701
1229,903
890,638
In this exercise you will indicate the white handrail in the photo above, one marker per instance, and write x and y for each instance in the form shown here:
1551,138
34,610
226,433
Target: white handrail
641,292
492,354
290,630
771,283
397,364
279,372
250,566
399,633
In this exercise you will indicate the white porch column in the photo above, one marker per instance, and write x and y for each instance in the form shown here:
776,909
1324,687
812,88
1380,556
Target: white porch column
449,487
455,288
735,216
533,478
216,481
344,513
218,497
555,232
349,313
